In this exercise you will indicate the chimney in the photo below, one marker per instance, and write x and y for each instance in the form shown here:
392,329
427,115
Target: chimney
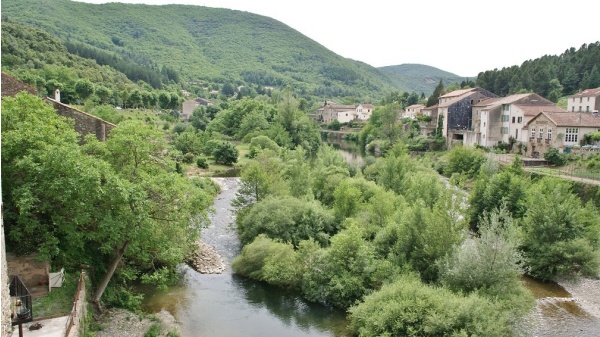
57,95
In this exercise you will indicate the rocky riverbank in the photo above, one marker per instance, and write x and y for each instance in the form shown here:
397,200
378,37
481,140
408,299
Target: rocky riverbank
123,323
206,260
586,293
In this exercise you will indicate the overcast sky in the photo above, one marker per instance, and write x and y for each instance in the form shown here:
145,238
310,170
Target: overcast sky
463,37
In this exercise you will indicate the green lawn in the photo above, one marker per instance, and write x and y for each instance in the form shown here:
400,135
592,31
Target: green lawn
59,301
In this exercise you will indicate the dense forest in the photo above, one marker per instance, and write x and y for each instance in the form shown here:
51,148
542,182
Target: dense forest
551,76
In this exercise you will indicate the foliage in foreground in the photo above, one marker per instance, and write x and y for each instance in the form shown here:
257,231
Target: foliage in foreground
408,307
117,205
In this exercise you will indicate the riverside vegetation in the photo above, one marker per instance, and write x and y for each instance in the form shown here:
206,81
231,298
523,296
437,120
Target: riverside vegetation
387,241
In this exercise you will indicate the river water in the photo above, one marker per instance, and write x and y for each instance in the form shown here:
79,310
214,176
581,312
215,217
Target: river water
227,305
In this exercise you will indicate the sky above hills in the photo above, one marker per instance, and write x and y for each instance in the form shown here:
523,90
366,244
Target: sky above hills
463,37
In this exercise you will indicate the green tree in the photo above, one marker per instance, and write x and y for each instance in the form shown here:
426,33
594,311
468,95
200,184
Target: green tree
408,307
437,92
556,242
225,153
287,219
84,88
489,263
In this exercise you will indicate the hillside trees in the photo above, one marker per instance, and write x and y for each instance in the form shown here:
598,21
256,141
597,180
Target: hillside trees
110,204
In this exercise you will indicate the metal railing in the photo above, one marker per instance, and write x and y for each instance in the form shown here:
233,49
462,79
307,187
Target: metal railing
21,301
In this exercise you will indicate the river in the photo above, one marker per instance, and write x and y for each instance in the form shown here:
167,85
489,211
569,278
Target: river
227,305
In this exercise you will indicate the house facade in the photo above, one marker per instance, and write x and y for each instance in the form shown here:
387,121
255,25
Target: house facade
497,120
364,111
456,111
587,100
342,113
189,105
558,130
412,111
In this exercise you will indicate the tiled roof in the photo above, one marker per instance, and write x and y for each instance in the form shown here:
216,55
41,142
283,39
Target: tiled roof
573,119
533,110
487,102
491,103
457,93
341,106
415,106
576,119
368,106
587,93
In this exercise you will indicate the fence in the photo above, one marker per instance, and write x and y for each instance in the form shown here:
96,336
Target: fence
78,311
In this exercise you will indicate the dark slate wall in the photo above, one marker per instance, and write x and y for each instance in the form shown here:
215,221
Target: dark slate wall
459,115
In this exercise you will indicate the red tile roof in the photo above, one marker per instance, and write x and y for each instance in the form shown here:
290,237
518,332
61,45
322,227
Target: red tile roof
587,93
576,119
533,110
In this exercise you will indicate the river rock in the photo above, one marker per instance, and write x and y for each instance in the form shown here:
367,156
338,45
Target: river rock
206,260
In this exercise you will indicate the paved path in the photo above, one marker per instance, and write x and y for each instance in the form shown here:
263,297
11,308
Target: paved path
54,327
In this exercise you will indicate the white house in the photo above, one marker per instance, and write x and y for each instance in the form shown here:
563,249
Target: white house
587,100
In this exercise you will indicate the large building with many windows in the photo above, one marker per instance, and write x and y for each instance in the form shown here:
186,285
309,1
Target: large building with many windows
587,100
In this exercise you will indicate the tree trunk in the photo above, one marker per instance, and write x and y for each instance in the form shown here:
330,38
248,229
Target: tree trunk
109,274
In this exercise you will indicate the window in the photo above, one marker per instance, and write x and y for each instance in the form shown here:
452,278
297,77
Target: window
580,108
573,108
549,134
505,107
541,133
504,130
505,118
588,99
484,124
532,133
513,119
587,108
520,120
580,99
571,135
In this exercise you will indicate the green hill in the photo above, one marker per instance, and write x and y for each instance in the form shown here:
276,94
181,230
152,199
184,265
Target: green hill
419,77
205,45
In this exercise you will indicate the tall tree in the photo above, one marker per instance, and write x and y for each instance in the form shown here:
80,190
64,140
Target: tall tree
437,92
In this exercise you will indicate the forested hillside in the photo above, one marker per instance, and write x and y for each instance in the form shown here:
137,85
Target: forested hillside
419,78
551,76
202,44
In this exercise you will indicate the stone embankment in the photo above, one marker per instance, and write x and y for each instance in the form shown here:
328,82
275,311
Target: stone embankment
206,260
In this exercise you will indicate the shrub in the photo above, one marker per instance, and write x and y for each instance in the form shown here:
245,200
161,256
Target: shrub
555,157
409,308
223,152
201,162
188,158
463,160
153,331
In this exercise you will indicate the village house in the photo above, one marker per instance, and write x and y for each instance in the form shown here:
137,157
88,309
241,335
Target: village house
330,112
456,111
188,106
558,130
363,111
413,111
587,100
429,128
497,120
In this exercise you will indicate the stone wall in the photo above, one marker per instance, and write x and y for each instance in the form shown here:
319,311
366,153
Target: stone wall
12,86
28,269
4,282
84,123
77,318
